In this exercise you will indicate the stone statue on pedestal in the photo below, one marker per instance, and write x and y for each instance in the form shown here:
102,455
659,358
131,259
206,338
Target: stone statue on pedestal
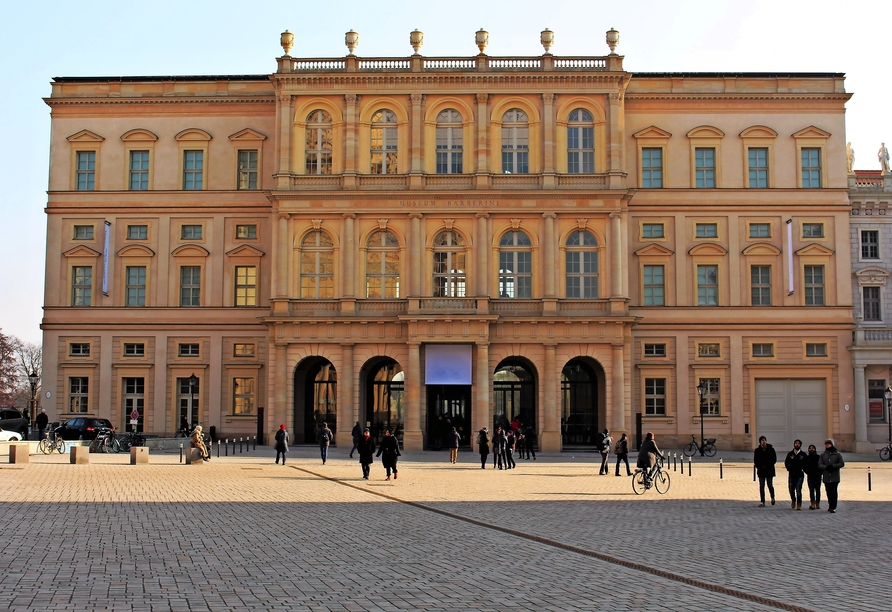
883,156
850,158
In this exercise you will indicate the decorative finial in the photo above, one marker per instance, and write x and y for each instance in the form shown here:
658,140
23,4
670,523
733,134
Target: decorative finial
482,39
287,41
416,39
351,39
547,39
612,40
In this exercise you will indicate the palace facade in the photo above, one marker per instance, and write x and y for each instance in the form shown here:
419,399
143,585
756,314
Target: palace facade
417,242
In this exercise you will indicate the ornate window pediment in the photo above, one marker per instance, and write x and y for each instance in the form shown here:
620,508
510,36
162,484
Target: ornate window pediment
85,136
872,276
81,251
193,134
654,250
139,134
761,248
811,132
815,250
758,131
706,131
652,132
247,134
190,250
135,250
709,248
245,251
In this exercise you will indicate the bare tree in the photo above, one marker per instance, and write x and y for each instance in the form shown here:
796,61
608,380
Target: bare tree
30,363
9,369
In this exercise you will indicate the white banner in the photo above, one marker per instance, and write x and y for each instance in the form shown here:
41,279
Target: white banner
105,259
790,255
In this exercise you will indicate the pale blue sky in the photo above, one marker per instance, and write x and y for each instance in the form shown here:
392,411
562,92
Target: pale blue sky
104,38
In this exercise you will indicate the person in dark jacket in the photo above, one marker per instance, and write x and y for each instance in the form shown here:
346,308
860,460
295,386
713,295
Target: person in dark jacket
813,474
389,451
831,462
622,454
357,436
511,441
281,443
795,464
648,453
42,421
499,444
764,458
604,445
483,445
453,439
529,439
325,437
366,448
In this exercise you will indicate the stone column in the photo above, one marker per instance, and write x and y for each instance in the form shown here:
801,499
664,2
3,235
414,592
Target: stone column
482,249
283,253
280,412
616,256
415,131
482,407
862,445
346,411
550,437
482,177
286,125
618,390
548,140
350,141
412,437
416,256
548,255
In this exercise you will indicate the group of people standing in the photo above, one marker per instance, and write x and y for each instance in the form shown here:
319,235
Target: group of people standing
503,444
801,467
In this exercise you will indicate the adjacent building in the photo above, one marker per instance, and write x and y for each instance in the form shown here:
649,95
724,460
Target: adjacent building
425,242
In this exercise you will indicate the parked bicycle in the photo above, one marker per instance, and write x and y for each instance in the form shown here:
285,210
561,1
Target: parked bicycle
183,432
51,442
105,442
886,452
656,477
130,439
709,448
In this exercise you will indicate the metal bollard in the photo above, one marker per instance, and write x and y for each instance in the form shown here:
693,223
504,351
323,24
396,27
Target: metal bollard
218,449
226,447
233,447
674,462
721,470
869,483
689,466
239,446
255,443
754,473
181,452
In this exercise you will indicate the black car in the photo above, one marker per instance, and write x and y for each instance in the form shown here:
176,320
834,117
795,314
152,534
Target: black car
82,427
13,420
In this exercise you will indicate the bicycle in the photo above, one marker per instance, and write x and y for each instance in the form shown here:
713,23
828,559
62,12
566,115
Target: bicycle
105,442
642,480
51,442
183,432
886,452
709,449
130,439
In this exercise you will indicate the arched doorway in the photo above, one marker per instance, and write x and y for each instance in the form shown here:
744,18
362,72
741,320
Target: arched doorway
315,399
579,404
384,394
514,394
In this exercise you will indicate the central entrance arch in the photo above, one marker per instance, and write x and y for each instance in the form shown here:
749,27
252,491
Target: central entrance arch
514,393
315,398
448,406
383,382
581,396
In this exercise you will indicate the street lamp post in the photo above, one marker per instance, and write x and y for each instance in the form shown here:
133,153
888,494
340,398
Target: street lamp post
701,389
888,394
33,379
193,381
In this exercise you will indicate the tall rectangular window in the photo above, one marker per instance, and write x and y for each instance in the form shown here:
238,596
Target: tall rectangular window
652,230
707,230
134,395
870,244
654,286
655,396
811,167
243,396
707,285
760,285
711,395
871,304
247,169
652,168
245,286
193,170
814,285
704,168
136,286
758,166
190,286
85,179
139,170
78,394
876,404
81,285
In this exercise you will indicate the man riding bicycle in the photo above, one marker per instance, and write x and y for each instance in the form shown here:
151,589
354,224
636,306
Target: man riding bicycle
647,455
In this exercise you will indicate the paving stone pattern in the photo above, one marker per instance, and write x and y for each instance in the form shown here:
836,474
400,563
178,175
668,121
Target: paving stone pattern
241,533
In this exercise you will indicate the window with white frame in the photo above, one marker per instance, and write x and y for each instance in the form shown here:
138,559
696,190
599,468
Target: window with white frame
134,349
189,349
655,396
816,349
317,266
870,244
652,168
247,169
580,142
708,285
812,230
710,401
81,285
190,286
134,394
654,285
190,232
515,142
704,167
135,291
449,142
85,177
709,349
383,267
760,285
384,143
83,232
137,232
243,349
246,232
763,349
760,230
450,268
242,396
515,266
79,349
319,143
193,170
814,285
139,170
582,265
652,230
811,167
706,230
78,394
245,286
654,350
758,167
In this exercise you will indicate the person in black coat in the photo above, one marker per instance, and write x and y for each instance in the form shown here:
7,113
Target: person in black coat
356,434
281,443
366,448
795,464
389,451
764,458
622,454
483,444
813,474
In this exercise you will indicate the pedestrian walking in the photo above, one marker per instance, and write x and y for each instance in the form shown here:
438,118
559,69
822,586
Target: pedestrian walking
42,421
604,442
483,445
499,443
795,463
831,462
453,439
510,442
281,443
366,449
529,438
356,434
325,436
813,474
764,458
389,451
622,454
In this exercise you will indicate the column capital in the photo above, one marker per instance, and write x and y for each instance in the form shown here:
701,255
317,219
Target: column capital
284,98
549,215
482,215
482,98
348,215
283,216
549,98
415,215
351,98
417,98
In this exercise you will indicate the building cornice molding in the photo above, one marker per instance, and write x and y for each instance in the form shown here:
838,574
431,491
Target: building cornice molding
840,97
271,99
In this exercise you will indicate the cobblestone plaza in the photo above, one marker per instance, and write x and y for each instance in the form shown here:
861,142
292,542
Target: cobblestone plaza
242,533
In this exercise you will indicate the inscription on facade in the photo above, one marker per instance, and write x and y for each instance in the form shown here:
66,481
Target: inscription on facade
448,203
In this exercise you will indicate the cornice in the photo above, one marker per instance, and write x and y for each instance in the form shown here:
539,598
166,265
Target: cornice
737,96
160,100
349,83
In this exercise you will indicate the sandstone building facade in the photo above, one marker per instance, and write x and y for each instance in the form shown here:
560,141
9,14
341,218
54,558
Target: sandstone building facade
405,241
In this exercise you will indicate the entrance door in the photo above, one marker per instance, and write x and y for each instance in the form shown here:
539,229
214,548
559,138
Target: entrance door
384,400
448,406
514,395
315,399
579,405
187,402
791,409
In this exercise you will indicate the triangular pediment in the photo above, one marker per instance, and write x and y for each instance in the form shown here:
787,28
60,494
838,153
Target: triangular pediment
245,251
135,250
654,249
85,136
709,248
247,134
139,134
193,134
81,251
190,250
652,132
814,249
706,131
758,131
761,248
811,132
